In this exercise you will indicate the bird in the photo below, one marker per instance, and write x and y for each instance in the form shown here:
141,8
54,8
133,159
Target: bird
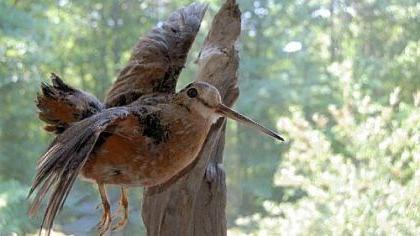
154,67
143,134
143,144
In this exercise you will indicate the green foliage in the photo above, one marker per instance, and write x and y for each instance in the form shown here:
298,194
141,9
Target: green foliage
357,166
312,57
338,77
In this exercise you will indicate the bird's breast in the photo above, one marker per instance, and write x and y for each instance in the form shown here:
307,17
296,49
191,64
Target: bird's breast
148,159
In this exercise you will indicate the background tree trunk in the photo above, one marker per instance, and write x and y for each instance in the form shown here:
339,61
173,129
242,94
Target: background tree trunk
194,202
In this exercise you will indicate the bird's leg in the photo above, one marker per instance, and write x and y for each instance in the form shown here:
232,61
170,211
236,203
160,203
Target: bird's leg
105,222
123,209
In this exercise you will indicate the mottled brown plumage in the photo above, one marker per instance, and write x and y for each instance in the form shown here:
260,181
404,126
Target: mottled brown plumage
143,144
144,135
151,72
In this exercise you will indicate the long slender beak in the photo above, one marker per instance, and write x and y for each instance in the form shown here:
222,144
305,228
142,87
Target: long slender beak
229,113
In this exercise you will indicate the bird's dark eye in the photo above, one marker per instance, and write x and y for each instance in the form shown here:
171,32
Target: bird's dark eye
192,93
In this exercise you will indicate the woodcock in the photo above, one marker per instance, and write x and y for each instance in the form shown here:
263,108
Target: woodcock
143,135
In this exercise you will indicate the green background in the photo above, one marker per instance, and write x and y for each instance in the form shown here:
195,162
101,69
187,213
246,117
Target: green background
340,79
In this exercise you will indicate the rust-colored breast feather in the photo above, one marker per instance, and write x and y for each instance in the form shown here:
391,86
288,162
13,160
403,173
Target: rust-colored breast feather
146,148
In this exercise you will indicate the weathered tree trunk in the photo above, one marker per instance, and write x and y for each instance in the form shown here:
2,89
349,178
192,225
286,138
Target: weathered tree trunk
194,204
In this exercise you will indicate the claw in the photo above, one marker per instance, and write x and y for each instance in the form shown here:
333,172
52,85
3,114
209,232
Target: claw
105,223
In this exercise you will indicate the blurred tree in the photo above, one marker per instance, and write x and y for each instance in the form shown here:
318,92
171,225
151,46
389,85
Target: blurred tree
293,54
370,187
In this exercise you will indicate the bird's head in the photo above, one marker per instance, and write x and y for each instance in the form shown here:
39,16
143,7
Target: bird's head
205,100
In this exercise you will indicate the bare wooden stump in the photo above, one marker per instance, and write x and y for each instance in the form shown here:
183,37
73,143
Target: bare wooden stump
194,204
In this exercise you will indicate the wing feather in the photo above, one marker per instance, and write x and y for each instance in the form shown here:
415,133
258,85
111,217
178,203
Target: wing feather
158,58
59,167
60,105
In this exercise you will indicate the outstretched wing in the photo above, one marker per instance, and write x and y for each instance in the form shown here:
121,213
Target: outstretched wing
59,167
60,105
158,59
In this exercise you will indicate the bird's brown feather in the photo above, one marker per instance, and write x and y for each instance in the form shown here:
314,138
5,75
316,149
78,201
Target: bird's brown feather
60,105
129,155
158,58
60,165
92,141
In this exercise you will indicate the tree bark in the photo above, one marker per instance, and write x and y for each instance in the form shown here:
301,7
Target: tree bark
194,202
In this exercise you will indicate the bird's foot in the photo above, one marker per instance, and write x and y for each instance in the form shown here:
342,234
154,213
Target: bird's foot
123,221
105,223
122,211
